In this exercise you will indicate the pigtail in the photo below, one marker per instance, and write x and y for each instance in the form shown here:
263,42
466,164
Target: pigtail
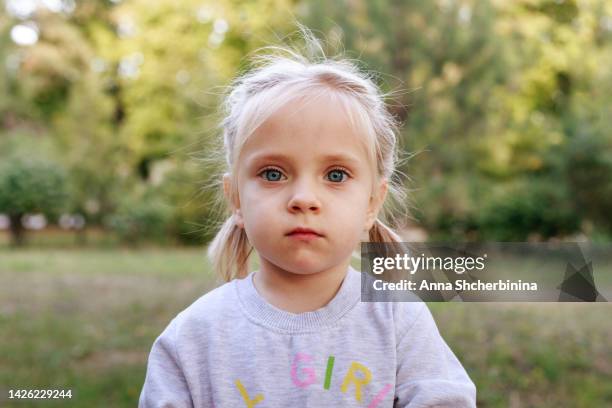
382,233
229,251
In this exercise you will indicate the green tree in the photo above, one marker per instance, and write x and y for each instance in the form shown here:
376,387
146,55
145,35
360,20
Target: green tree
29,186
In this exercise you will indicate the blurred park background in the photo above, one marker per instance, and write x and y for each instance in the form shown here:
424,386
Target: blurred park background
107,108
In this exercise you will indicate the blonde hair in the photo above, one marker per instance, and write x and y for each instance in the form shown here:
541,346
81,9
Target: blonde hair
277,78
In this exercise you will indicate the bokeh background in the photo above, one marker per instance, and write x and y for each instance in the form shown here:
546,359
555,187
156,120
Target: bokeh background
108,111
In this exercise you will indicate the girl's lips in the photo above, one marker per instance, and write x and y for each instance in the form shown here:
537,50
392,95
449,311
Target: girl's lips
304,236
303,230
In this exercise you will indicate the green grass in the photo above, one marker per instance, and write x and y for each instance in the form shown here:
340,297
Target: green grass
532,354
85,320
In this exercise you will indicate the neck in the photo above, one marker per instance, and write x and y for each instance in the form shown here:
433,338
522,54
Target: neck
298,293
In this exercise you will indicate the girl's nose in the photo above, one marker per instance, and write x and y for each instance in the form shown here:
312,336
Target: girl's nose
303,199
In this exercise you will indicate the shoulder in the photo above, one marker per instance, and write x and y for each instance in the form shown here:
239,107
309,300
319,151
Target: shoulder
402,313
408,314
217,305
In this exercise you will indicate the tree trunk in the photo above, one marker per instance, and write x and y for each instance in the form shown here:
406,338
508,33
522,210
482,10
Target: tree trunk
17,231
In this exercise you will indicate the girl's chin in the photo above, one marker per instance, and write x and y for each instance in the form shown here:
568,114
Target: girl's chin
303,266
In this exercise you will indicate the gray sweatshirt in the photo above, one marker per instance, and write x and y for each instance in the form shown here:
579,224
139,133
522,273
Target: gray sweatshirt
231,349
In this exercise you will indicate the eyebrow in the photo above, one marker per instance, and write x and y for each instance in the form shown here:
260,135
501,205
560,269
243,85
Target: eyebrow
335,157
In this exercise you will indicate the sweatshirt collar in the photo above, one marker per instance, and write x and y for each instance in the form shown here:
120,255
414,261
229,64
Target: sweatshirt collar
262,312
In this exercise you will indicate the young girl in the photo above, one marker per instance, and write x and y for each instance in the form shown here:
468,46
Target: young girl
310,150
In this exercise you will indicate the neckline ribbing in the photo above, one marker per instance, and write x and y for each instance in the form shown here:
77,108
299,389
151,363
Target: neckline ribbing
259,310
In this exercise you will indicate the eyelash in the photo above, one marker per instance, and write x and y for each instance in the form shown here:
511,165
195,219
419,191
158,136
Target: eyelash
343,170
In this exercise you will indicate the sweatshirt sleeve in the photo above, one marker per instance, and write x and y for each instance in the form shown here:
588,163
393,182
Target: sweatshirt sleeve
428,373
165,385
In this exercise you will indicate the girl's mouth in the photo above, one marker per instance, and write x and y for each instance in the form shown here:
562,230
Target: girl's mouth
304,234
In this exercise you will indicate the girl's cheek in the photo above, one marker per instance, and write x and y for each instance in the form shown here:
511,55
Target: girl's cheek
254,190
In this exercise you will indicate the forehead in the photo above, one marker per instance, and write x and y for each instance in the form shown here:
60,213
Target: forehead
306,127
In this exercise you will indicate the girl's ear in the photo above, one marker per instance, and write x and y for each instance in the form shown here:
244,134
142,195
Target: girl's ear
376,201
234,200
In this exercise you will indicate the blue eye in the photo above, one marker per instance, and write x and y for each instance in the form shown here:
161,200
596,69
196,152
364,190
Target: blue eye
336,175
272,174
